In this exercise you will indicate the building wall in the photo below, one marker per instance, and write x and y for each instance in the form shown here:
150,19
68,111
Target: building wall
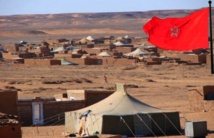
85,61
207,89
57,109
110,47
42,62
62,55
125,49
117,61
92,50
90,97
50,109
53,111
9,55
8,102
193,58
92,61
10,131
208,60
25,113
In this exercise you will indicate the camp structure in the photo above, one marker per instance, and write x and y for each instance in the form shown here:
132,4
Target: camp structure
66,62
59,49
104,54
69,48
137,52
120,113
119,43
89,38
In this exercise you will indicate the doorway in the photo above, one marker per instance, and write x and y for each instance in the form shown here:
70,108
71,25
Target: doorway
37,111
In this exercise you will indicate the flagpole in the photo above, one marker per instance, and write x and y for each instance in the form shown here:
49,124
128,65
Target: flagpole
211,39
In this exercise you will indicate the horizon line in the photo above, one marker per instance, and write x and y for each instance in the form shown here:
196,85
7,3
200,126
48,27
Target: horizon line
94,12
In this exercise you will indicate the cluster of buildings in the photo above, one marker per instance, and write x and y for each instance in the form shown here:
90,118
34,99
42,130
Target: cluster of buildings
106,50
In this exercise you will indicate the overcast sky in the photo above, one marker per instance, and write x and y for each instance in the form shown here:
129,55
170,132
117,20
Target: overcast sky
13,7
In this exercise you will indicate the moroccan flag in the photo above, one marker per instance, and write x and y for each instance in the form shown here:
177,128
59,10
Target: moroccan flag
179,34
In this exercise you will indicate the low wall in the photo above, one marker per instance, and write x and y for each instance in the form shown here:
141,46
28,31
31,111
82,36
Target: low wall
50,109
94,96
125,50
85,61
193,58
62,55
42,62
57,108
93,50
117,61
87,95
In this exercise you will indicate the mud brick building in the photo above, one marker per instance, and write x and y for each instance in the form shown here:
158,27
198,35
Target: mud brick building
8,102
42,62
9,121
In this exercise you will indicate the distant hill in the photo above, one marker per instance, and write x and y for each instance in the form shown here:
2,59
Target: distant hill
81,19
67,25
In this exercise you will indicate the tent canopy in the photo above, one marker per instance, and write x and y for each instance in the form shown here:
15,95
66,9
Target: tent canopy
137,52
59,49
104,54
90,38
119,106
119,43
66,62
120,103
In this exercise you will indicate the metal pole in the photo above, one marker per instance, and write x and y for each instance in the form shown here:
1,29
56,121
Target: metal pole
211,38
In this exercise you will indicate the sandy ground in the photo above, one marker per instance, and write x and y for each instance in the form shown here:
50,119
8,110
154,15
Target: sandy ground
164,86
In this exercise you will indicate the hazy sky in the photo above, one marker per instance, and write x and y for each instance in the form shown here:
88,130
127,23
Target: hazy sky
12,7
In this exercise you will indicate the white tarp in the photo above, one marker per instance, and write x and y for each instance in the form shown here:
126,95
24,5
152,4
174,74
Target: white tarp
104,54
118,43
90,38
59,49
137,52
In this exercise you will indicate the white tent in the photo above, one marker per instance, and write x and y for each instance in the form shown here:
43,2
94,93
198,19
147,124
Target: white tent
137,52
120,113
126,36
118,43
66,62
104,54
59,49
89,38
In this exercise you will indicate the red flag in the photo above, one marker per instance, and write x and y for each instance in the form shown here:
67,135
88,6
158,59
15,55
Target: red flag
179,34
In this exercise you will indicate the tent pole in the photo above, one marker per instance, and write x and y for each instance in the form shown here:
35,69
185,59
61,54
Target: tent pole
211,39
